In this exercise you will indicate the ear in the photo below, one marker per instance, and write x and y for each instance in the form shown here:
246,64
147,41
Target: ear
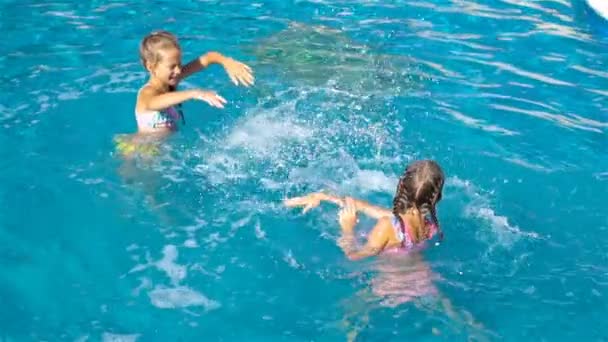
150,66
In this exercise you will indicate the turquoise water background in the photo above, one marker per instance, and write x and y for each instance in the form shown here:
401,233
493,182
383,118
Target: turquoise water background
509,96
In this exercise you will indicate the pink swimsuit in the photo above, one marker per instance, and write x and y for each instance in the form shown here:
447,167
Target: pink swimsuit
407,242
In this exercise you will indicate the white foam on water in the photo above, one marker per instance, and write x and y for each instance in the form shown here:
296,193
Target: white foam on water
200,268
174,271
479,207
264,134
290,260
111,337
372,181
180,297
601,175
191,243
167,264
199,224
240,223
176,295
145,284
259,232
270,141
132,247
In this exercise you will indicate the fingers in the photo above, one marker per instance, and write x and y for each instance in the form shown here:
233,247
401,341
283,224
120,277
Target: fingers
213,99
292,202
299,201
307,208
243,77
349,204
234,80
246,80
216,102
221,99
240,73
348,211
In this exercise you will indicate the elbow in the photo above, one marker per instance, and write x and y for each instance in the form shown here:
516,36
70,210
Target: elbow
212,57
354,256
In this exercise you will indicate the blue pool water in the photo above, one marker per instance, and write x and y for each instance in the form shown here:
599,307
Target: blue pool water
509,96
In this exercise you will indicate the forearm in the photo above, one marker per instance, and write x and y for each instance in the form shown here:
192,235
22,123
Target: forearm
348,243
164,101
362,206
371,210
331,198
201,63
211,57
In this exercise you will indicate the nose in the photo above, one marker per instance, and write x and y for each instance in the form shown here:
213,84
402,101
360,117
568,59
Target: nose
177,70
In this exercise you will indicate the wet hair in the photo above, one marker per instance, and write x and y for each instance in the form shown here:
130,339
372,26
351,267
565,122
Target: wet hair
420,187
153,43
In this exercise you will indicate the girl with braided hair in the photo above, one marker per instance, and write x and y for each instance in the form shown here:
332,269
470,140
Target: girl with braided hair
406,227
411,222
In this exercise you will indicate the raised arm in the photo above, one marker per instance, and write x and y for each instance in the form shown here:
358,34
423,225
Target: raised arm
372,210
238,72
201,63
313,200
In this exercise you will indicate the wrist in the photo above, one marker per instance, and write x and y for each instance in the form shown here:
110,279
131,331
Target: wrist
346,239
193,94
331,198
322,196
211,57
348,229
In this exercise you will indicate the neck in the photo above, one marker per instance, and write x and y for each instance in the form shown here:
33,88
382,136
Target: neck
415,222
158,84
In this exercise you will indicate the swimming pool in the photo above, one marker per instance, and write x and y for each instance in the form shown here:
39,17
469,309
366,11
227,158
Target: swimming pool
509,96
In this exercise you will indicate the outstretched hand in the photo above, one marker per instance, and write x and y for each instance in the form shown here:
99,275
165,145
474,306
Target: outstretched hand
238,72
211,97
308,202
348,215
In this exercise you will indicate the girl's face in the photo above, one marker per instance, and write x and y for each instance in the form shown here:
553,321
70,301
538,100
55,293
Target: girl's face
169,66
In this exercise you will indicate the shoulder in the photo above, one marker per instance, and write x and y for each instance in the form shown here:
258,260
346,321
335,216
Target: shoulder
147,91
388,220
384,224
144,94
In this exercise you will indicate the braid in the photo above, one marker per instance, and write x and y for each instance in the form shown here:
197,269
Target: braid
400,202
427,208
436,221
420,187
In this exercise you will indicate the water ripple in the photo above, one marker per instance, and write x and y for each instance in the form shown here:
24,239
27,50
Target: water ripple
574,122
521,72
